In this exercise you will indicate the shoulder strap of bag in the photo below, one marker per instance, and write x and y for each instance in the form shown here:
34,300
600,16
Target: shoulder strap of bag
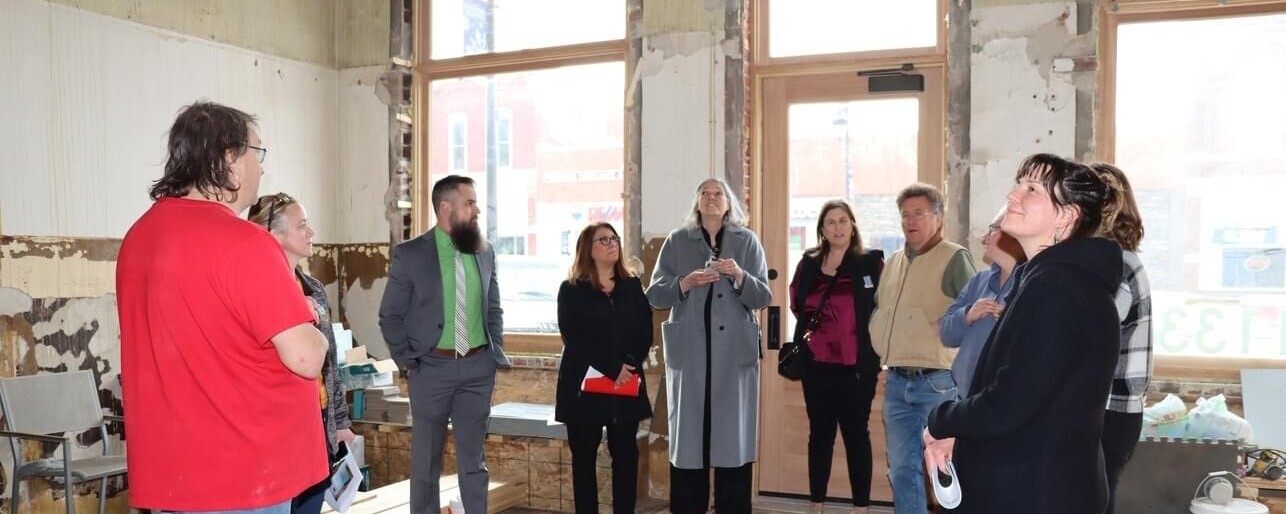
817,314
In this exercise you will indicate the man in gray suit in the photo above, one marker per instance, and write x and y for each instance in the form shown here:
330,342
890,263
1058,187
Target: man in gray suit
441,318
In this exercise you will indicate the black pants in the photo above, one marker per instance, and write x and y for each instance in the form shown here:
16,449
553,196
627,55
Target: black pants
690,490
1120,436
583,440
834,395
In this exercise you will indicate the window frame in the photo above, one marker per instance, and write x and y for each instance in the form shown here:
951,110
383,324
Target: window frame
453,120
1113,14
505,139
765,64
426,70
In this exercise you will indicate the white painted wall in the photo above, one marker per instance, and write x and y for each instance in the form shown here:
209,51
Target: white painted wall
682,83
88,99
1019,105
362,175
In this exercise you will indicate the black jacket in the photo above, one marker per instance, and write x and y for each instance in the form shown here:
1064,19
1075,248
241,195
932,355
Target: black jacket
1028,435
604,332
859,269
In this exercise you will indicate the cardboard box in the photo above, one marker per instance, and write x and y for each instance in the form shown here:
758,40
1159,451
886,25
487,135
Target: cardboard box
361,371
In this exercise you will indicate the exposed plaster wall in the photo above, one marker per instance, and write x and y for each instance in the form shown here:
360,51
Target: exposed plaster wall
75,327
1019,104
303,30
692,89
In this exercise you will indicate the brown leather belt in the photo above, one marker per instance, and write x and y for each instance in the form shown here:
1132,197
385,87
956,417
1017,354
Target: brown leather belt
442,352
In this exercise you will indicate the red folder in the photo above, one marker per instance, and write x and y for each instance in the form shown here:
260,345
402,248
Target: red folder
596,382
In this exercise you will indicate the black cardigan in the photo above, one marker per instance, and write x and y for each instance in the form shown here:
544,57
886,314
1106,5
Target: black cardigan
1027,438
859,269
604,332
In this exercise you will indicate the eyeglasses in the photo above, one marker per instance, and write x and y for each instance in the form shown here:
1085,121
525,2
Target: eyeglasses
607,240
916,215
260,153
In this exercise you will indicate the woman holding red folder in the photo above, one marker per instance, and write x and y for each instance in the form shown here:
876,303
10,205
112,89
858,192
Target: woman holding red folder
606,323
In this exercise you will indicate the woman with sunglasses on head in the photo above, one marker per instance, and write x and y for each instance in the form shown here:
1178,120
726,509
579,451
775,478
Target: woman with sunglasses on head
287,220
606,324
971,317
1027,437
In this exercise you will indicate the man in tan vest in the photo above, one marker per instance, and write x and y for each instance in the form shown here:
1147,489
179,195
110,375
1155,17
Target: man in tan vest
917,285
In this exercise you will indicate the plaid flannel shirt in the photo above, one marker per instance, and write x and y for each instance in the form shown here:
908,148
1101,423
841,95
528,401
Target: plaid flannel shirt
1134,367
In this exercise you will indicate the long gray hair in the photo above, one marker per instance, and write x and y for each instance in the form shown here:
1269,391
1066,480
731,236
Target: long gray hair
736,215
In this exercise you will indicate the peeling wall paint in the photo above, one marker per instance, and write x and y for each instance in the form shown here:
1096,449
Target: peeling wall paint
1012,78
58,313
692,85
363,272
56,267
682,139
53,335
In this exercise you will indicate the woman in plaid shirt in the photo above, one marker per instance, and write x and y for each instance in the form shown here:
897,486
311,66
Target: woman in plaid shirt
1123,420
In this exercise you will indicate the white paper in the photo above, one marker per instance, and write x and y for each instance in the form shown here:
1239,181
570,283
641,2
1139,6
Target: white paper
343,342
344,482
589,374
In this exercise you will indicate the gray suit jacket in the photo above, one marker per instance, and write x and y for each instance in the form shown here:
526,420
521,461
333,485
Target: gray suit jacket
412,311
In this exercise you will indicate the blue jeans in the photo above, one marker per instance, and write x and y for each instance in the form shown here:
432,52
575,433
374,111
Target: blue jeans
907,403
280,508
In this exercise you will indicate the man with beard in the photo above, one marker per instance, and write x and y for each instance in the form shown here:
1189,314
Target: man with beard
441,318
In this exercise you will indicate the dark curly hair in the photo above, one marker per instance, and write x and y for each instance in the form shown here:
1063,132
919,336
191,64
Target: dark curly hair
199,141
1070,185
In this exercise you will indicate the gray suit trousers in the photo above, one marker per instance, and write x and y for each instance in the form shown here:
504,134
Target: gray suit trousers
459,390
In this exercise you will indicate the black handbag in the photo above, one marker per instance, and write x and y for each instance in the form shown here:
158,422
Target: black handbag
794,358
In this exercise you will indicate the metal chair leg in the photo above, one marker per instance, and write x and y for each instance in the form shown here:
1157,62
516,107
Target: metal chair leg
67,485
13,498
102,495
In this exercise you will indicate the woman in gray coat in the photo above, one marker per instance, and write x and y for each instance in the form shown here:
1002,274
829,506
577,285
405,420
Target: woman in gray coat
712,276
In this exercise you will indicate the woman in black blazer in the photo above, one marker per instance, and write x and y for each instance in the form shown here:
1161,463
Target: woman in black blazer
1027,439
606,322
841,380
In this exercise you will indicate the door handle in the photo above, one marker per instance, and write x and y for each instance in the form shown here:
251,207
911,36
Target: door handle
774,327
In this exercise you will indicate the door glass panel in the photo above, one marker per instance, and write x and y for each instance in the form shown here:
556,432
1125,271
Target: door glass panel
862,151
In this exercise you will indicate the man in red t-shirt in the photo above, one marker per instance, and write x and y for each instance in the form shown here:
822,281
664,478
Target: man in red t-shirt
218,351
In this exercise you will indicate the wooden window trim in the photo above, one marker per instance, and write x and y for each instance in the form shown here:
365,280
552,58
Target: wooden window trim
766,64
1132,11
426,70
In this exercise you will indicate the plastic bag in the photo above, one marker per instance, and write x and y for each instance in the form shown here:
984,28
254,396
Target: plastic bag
1210,419
1166,418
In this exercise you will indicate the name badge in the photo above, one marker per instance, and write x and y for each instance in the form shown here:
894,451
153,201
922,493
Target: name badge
867,280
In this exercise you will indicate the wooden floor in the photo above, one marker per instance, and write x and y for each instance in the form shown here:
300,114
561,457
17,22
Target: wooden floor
762,505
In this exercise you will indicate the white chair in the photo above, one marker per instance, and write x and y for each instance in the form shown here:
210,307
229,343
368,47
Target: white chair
53,408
